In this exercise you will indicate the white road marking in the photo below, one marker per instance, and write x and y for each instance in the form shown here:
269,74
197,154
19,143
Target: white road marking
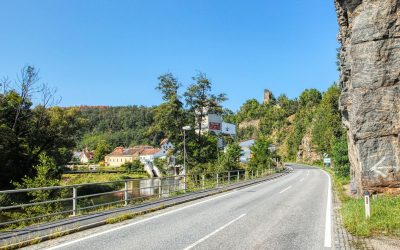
138,222
154,217
308,172
302,179
328,216
216,231
285,189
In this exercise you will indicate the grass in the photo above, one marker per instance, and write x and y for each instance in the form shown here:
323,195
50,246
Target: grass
71,179
385,212
385,217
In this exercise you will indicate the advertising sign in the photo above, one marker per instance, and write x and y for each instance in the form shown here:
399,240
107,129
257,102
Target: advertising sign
214,126
228,128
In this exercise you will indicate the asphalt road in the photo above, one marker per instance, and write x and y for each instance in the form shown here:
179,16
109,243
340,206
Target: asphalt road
286,213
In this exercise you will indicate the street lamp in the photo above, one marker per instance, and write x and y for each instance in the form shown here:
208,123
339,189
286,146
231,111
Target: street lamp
186,128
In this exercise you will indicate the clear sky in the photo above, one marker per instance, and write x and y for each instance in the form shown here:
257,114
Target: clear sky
103,52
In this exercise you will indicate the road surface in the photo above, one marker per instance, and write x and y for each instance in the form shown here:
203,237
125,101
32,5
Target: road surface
291,212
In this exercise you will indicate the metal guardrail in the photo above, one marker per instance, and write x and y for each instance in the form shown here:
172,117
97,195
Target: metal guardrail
126,192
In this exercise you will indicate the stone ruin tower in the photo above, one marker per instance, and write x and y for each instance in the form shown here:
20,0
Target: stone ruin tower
369,32
267,96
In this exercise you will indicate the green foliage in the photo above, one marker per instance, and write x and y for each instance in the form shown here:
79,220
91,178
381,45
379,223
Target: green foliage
262,156
200,100
28,131
118,126
230,159
327,122
134,166
102,149
47,175
250,110
385,217
340,157
170,116
161,164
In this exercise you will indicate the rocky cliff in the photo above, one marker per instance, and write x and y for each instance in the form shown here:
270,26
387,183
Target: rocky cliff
370,80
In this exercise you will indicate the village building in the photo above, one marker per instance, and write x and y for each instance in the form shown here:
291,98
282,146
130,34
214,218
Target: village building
83,157
166,145
122,155
144,154
148,155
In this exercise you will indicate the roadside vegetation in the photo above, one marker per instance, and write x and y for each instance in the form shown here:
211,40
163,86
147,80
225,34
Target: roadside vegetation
71,179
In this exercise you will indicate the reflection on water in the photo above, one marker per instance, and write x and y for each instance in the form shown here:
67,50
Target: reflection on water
137,189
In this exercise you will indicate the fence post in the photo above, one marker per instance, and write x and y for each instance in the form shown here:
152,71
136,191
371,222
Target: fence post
367,204
126,193
217,180
160,187
202,182
238,176
229,177
74,201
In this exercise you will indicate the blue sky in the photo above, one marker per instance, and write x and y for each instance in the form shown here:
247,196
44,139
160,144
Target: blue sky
103,52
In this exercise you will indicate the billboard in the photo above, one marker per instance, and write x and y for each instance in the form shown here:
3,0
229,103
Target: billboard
228,128
214,126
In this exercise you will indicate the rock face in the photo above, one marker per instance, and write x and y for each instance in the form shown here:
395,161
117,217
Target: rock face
370,80
307,152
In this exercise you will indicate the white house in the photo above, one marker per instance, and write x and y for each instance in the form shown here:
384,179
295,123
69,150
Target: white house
83,157
148,155
166,145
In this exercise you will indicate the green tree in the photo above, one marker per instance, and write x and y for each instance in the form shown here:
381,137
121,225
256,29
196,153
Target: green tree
101,151
134,166
262,156
230,159
47,175
30,131
201,101
340,156
169,117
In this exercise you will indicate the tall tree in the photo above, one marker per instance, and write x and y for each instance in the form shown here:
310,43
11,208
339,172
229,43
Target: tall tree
169,117
29,131
201,101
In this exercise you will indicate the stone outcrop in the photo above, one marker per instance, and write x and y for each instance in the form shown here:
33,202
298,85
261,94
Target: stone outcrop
307,152
370,80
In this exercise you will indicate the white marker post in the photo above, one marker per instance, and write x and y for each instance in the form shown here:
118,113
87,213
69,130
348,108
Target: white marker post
367,204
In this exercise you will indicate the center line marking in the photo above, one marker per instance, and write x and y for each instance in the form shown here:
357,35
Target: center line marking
301,180
285,189
216,231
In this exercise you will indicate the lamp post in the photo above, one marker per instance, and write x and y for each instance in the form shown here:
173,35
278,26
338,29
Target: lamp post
186,128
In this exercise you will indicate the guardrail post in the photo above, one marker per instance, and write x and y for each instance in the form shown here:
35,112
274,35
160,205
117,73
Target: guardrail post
160,187
202,182
184,183
217,179
229,177
238,176
126,193
74,201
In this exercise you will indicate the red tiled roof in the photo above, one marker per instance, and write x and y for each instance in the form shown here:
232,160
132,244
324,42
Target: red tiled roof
150,151
164,141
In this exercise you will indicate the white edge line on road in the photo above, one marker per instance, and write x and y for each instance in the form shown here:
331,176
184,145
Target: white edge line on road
151,218
302,179
215,232
328,217
285,189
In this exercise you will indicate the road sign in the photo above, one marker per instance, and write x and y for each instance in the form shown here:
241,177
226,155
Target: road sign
327,161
